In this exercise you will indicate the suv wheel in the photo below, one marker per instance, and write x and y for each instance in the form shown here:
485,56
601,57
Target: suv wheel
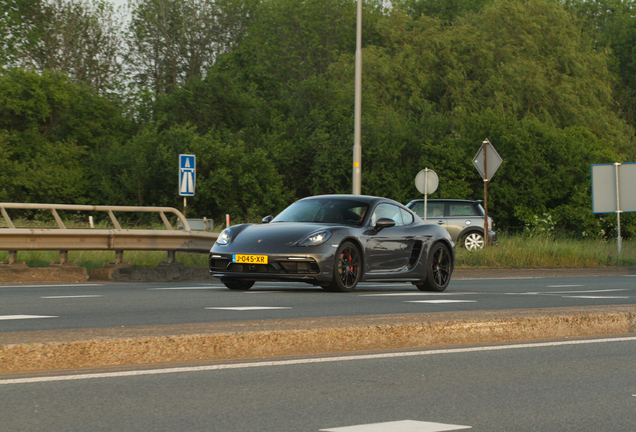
473,241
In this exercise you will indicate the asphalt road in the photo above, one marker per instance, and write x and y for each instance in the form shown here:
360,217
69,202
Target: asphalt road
94,305
576,385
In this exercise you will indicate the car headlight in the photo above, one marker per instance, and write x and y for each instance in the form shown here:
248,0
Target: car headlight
224,238
315,239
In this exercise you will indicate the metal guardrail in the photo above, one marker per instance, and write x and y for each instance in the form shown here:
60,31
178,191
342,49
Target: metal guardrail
117,239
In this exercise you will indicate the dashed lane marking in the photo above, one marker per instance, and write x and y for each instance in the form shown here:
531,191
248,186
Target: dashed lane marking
441,301
68,297
418,294
19,317
597,297
188,288
399,426
48,286
563,286
568,292
248,308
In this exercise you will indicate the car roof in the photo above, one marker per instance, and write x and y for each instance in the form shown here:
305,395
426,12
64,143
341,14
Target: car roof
364,198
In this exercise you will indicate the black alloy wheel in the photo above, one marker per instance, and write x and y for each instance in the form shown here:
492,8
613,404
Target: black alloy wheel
347,268
237,284
439,267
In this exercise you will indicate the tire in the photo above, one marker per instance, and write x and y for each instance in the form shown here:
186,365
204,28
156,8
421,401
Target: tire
439,266
237,284
473,241
347,270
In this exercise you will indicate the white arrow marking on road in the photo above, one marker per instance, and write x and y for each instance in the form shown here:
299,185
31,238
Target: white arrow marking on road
17,317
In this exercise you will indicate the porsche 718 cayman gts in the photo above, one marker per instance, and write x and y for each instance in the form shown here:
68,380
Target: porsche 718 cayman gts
336,241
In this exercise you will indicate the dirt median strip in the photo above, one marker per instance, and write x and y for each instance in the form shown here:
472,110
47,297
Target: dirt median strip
73,349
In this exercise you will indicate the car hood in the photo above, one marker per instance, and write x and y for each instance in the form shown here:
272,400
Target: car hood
276,233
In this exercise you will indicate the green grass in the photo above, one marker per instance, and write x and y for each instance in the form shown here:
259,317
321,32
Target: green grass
534,252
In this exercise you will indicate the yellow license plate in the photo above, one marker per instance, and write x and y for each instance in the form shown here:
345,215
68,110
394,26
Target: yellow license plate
249,259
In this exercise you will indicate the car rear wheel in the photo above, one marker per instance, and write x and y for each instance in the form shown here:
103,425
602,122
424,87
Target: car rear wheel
237,284
439,266
347,269
473,241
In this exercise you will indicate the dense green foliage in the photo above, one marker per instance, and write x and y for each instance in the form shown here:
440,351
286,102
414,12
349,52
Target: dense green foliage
262,92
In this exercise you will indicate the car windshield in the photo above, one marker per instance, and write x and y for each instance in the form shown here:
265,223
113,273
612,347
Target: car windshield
342,211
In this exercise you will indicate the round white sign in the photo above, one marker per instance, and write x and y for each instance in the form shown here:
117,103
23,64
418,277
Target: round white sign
426,181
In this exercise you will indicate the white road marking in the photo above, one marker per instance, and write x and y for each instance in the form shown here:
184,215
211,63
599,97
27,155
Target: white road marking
569,292
58,285
441,301
508,278
247,308
313,360
188,288
563,286
597,297
66,297
418,294
262,292
18,317
399,426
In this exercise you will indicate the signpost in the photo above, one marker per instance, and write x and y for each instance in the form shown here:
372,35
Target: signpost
612,186
487,161
426,182
187,178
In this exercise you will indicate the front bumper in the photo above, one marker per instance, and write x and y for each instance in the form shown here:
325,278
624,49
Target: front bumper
313,268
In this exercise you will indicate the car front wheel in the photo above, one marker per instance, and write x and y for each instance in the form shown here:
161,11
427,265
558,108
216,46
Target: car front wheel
347,268
473,241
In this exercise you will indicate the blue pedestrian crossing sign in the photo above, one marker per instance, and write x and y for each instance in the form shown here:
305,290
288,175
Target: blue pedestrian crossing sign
187,174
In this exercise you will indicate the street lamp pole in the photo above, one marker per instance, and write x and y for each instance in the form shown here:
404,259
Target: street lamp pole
357,149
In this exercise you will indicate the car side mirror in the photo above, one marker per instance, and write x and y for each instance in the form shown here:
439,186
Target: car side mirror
384,223
268,219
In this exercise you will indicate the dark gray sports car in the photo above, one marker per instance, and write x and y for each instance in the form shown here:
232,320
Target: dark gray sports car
336,241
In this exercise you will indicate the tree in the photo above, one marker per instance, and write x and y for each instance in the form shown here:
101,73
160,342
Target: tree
74,37
51,132
533,84
173,41
612,25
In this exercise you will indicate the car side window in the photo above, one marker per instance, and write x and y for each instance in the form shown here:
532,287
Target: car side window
387,211
462,210
407,217
433,209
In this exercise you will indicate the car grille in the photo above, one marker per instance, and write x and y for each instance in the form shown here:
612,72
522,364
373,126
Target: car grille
277,267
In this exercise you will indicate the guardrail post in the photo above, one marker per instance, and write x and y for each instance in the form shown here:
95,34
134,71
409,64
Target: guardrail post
119,257
13,257
171,257
63,257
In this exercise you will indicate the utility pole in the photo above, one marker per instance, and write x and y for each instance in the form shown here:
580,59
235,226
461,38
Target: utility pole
357,149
